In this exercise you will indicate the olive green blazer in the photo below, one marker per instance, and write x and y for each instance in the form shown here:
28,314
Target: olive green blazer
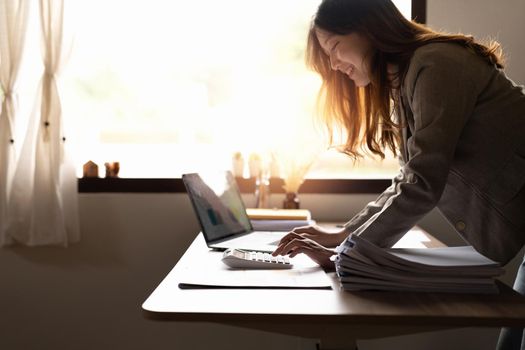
463,151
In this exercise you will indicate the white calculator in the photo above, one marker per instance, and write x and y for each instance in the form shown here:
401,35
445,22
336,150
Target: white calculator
247,259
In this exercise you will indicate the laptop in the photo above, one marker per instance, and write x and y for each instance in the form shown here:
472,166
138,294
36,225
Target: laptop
218,205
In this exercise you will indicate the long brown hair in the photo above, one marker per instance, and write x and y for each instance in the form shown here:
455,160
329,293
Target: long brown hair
365,114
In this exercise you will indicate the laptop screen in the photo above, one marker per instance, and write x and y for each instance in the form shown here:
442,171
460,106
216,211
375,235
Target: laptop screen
218,204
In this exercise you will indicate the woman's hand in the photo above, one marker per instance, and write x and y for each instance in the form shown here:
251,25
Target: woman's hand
317,234
294,243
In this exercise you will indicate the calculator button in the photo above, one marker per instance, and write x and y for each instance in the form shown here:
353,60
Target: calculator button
243,259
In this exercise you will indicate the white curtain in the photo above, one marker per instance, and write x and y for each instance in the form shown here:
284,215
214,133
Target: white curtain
13,24
43,204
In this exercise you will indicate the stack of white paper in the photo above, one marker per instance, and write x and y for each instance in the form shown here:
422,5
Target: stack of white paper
362,265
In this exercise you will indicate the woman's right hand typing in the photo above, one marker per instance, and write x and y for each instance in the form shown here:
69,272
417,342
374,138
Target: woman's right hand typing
317,234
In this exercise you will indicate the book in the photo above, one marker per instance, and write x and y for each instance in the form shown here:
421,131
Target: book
361,265
278,214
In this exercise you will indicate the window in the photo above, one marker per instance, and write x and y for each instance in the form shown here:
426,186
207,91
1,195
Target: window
167,87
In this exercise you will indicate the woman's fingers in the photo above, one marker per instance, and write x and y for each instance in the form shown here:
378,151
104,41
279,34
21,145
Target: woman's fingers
286,247
305,234
285,240
295,246
316,252
302,248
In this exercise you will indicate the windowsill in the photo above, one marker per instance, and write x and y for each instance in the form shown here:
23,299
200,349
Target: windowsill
175,185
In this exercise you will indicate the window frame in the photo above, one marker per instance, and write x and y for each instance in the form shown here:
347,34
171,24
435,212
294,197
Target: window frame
246,185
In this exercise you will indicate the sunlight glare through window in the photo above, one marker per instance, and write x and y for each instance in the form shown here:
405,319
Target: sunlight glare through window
167,87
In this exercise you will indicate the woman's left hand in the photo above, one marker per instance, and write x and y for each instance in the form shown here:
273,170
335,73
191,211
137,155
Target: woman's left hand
293,244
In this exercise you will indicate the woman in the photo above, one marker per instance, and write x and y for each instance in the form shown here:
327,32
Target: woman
443,104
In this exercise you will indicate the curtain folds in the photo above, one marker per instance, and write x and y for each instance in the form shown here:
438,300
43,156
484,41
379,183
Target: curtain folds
13,25
43,203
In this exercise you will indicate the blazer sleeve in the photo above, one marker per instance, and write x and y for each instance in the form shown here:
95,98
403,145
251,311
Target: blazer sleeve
441,98
372,208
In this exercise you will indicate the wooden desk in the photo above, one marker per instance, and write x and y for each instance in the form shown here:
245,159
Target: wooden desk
336,317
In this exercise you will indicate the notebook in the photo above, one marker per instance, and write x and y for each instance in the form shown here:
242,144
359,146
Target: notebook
218,205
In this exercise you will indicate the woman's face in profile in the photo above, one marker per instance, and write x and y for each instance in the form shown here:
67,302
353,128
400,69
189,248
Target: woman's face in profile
348,53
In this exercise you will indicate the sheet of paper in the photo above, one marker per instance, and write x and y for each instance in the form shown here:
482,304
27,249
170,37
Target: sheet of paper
450,256
214,273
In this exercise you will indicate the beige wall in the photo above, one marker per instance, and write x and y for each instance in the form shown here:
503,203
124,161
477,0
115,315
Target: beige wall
88,296
500,20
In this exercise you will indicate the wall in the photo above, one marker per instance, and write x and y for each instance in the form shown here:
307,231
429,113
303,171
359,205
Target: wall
88,296
485,19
